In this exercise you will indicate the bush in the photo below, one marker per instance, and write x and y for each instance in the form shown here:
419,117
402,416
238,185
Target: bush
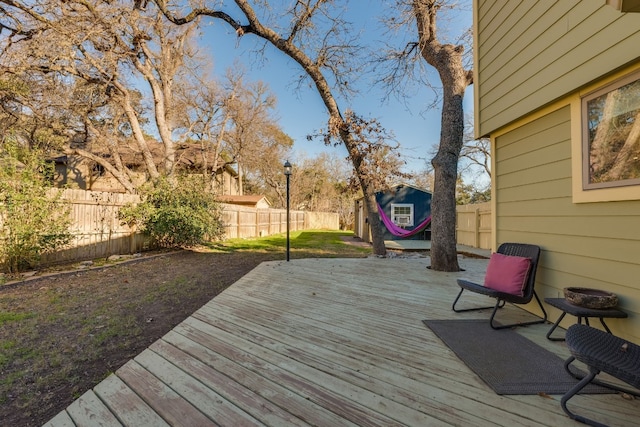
176,214
33,219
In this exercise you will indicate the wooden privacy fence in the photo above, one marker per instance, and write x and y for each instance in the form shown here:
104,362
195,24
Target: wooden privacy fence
97,232
473,225
243,222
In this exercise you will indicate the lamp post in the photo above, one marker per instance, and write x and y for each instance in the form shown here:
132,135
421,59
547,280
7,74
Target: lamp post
287,172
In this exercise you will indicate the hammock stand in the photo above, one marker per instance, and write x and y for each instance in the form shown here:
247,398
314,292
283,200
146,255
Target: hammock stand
399,231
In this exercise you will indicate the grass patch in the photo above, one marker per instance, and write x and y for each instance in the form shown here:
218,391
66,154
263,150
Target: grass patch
303,244
6,317
5,348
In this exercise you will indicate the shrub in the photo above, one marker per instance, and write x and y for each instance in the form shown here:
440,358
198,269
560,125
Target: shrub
175,214
33,218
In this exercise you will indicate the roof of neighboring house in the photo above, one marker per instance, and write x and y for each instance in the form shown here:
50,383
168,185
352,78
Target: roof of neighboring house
192,156
398,185
246,200
394,187
188,156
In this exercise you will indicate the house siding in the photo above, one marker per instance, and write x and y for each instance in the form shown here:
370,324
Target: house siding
404,194
401,193
594,245
528,54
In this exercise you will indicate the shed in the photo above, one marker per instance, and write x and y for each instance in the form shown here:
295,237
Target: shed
405,212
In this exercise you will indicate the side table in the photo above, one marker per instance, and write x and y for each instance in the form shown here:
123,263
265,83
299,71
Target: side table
580,312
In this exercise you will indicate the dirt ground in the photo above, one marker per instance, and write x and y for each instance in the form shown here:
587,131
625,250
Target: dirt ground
61,335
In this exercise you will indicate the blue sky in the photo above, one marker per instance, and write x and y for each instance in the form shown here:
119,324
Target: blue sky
301,111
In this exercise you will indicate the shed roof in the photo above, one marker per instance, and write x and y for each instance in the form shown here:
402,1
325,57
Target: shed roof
245,200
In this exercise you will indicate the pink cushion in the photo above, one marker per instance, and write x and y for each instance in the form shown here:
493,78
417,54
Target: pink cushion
506,273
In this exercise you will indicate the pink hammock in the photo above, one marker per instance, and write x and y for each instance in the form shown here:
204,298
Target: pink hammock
399,231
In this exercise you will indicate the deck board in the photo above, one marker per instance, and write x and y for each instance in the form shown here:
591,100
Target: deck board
131,409
326,342
88,409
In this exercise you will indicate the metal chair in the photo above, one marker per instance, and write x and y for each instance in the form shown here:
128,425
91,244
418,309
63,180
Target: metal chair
513,249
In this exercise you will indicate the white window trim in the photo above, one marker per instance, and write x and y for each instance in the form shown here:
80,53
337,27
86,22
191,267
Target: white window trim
410,215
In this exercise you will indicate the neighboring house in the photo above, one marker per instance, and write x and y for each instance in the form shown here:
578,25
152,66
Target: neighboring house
258,202
557,89
77,172
404,210
228,180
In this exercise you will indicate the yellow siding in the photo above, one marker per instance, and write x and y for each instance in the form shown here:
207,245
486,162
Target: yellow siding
531,53
584,244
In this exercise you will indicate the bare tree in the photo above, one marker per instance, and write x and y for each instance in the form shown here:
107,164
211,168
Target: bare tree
255,139
316,183
477,153
263,160
448,59
96,48
203,123
233,122
319,55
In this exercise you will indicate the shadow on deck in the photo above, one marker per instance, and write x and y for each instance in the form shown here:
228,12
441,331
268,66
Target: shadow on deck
407,245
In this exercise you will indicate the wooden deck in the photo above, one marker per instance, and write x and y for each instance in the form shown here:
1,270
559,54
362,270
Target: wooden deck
328,342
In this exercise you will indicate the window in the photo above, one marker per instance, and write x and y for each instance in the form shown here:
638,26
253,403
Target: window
402,214
611,135
97,170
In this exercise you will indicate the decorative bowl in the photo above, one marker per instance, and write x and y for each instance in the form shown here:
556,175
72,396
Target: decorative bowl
590,298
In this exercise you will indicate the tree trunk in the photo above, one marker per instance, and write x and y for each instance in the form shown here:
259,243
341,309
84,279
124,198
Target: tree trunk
120,176
624,163
600,155
447,60
240,180
377,233
136,129
369,190
444,254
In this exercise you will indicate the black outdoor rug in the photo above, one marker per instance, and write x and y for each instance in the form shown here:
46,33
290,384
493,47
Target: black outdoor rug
508,362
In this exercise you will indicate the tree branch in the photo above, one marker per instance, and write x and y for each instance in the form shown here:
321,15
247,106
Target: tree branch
197,12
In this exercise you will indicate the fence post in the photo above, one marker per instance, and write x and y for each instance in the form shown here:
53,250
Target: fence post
476,214
256,222
132,243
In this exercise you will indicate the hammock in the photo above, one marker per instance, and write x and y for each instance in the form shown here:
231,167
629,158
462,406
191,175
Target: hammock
399,231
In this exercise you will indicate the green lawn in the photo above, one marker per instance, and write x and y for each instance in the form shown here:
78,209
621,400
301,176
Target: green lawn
303,244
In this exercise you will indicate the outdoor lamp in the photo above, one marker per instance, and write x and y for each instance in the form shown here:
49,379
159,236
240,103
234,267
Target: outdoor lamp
287,172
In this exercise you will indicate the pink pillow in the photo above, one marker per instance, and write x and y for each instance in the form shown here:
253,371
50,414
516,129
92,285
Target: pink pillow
506,273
